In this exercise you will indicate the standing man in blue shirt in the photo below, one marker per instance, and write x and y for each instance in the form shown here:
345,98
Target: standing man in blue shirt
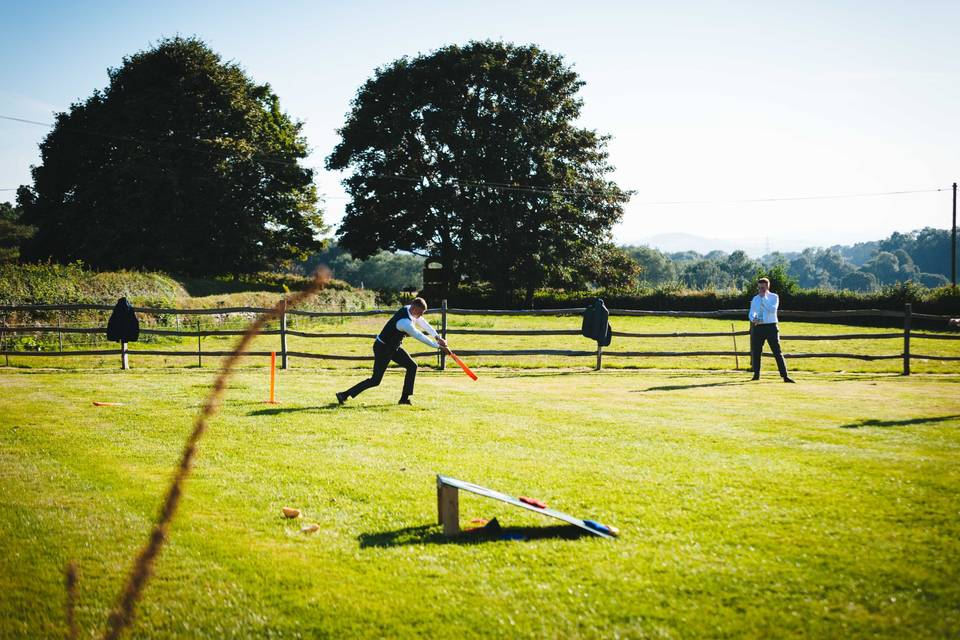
763,316
386,347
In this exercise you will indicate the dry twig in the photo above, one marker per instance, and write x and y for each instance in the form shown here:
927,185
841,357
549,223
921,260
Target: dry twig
122,615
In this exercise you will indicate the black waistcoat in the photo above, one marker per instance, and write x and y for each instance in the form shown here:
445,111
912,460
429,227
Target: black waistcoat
390,335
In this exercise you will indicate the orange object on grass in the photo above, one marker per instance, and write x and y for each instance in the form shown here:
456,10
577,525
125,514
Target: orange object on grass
273,375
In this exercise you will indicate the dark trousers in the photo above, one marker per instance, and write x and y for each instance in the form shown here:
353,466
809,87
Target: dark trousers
769,333
382,355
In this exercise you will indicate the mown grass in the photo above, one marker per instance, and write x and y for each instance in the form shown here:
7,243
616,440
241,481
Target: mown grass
824,509
371,325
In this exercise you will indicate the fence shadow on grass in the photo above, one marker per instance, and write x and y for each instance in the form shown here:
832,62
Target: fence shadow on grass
432,534
872,422
678,387
519,373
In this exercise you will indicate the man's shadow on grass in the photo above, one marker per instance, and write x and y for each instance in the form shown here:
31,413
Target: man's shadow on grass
432,534
331,407
872,422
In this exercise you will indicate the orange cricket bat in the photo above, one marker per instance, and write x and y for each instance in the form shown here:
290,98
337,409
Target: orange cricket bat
463,365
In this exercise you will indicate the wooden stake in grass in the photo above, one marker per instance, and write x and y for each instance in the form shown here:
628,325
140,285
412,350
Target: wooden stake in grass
273,375
736,354
122,615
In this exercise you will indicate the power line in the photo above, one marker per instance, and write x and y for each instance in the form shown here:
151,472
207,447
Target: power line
503,186
157,143
496,186
794,198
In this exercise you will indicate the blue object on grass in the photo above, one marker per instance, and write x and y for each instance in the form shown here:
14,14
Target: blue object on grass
593,524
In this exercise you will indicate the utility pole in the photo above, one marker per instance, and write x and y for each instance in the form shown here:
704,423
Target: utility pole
953,241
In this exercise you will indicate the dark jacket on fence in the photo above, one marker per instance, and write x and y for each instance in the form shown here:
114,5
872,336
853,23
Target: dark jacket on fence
123,325
596,323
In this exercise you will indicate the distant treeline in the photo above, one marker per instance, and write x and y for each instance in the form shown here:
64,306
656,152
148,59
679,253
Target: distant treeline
921,257
384,271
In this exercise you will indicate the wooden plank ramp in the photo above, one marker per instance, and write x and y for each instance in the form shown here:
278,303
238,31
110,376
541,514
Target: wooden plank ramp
448,506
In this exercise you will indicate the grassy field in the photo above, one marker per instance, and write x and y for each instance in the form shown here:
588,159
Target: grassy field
824,509
371,325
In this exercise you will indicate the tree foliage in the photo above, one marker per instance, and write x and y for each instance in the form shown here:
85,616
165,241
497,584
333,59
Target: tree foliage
781,281
656,268
471,154
383,270
12,232
861,281
181,163
605,266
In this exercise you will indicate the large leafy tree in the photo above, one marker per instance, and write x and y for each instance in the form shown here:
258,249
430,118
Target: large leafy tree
472,154
182,163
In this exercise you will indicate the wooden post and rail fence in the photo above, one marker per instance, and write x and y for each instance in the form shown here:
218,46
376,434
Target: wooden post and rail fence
907,317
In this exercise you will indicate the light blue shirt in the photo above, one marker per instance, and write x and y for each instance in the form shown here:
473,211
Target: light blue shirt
764,309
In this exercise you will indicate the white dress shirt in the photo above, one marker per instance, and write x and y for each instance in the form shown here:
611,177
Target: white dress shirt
408,326
764,308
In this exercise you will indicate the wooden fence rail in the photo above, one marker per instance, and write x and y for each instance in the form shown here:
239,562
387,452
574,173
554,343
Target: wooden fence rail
906,334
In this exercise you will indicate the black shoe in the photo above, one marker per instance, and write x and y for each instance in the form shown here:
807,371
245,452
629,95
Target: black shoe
755,378
405,401
789,379
342,396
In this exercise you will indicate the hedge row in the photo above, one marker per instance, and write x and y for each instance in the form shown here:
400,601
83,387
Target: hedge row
941,301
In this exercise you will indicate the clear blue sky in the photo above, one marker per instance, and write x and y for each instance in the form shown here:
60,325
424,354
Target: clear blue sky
706,101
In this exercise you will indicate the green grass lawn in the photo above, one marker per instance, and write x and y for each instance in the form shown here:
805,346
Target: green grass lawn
827,508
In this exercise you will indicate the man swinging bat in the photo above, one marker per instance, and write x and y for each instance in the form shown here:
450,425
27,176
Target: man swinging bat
386,347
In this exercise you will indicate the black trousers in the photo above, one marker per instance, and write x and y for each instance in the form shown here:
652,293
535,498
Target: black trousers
769,333
382,355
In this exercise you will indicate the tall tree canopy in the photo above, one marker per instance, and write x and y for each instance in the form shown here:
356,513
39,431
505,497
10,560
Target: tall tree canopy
472,154
182,163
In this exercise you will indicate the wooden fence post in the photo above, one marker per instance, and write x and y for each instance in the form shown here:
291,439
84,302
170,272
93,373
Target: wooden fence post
907,313
199,356
124,364
3,325
283,334
59,332
443,332
736,355
448,507
599,356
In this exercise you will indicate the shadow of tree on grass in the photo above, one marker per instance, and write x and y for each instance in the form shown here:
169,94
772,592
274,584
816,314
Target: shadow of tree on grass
873,422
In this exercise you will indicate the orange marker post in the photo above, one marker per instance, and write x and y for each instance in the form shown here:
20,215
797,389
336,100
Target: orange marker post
273,376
